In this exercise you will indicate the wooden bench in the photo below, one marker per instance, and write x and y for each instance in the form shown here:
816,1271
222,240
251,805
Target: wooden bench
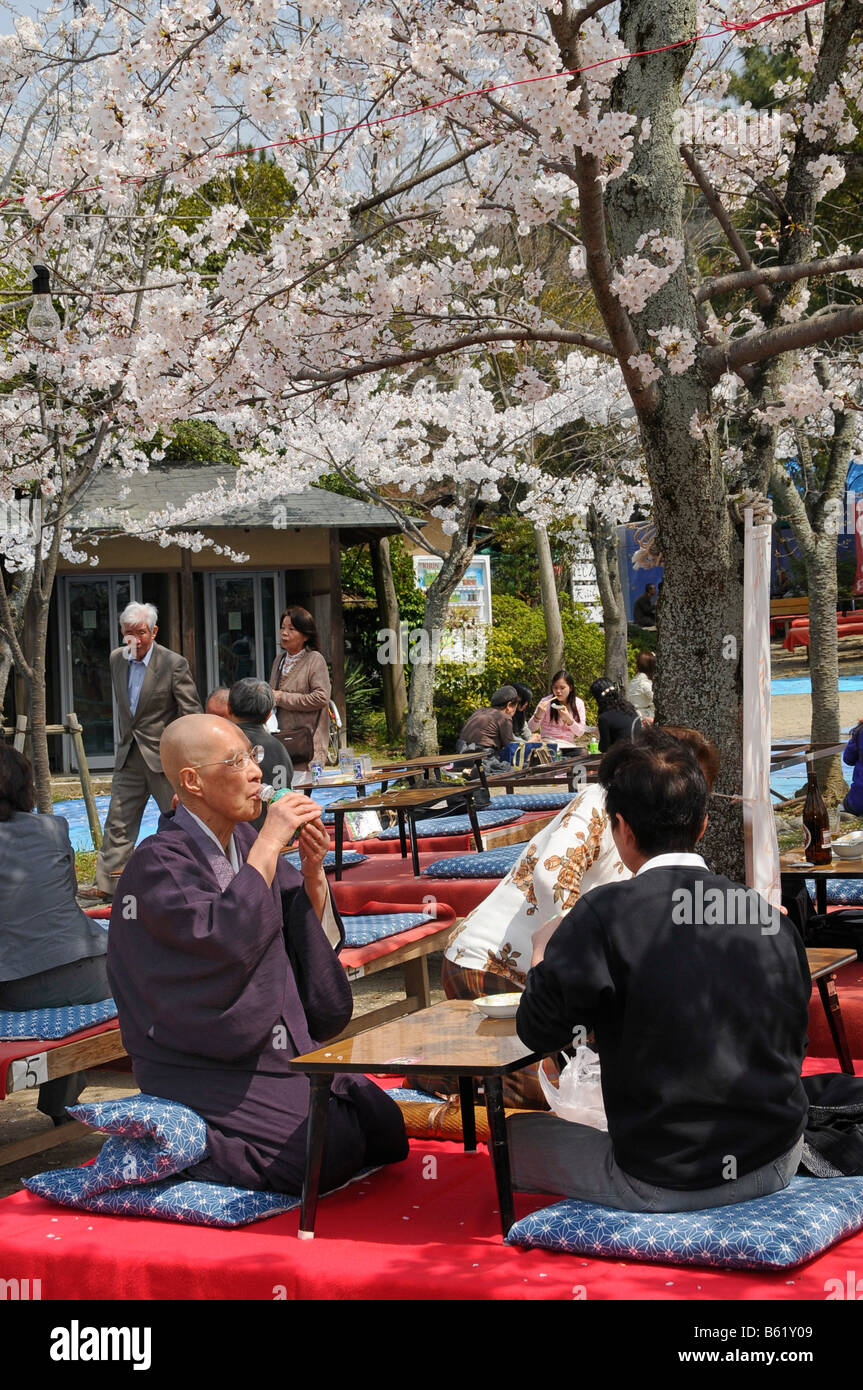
26,1062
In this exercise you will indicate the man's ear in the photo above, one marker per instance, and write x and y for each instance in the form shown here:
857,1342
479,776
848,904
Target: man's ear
702,830
190,782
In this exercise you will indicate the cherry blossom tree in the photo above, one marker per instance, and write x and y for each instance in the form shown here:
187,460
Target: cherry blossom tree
410,156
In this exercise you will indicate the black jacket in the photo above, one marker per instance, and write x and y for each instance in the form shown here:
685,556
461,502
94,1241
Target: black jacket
701,1029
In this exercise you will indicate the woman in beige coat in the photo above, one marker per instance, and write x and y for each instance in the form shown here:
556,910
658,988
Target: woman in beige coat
301,684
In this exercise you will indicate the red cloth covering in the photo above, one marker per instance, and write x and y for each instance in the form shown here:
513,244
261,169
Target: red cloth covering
392,881
354,956
16,1048
396,1235
849,988
443,844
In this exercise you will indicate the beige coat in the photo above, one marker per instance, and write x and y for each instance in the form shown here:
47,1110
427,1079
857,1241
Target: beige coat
302,698
167,693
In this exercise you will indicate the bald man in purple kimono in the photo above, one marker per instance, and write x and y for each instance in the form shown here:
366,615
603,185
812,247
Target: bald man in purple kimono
223,962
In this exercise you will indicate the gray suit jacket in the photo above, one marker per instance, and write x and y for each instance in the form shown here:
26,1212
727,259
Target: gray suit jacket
168,691
41,925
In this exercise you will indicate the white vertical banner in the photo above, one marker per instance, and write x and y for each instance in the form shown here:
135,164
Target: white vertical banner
762,849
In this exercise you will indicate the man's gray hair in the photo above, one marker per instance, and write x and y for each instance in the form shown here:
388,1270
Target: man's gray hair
134,612
251,699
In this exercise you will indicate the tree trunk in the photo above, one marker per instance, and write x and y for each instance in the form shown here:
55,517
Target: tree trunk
5,668
392,673
823,587
421,732
698,681
603,542
550,602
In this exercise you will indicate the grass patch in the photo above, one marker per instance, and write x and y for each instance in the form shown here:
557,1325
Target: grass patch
85,864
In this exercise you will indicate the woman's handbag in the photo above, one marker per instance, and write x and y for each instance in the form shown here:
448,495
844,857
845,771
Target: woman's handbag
300,745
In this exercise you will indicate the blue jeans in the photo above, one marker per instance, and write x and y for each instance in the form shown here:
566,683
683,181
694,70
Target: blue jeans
548,1154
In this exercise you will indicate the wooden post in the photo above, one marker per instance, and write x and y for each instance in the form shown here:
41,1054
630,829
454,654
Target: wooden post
337,632
20,738
187,610
74,728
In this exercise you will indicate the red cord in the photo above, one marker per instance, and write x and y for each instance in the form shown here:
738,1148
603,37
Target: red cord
728,26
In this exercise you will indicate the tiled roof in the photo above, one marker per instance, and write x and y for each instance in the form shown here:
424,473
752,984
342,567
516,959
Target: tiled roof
138,497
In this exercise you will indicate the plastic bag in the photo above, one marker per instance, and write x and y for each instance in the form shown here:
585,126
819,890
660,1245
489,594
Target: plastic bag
578,1095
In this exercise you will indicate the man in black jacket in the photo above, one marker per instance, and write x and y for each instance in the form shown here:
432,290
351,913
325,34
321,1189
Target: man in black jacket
698,995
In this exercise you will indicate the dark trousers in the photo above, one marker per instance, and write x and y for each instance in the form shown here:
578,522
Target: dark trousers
79,982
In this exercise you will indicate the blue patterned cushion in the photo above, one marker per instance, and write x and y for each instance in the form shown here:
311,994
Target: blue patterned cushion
405,1093
773,1232
360,930
172,1199
54,1023
135,1174
546,801
453,825
841,892
151,1138
492,863
349,858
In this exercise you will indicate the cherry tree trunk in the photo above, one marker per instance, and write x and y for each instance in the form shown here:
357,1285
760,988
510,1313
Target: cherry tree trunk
392,673
421,732
550,602
822,584
699,657
603,542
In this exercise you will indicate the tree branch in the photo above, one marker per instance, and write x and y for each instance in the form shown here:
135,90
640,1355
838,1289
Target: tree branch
368,203
778,274
788,337
428,354
732,235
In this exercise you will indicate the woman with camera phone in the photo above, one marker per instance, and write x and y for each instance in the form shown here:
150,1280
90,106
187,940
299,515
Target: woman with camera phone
559,717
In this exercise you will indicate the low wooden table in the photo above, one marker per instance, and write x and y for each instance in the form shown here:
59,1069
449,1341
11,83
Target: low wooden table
406,804
451,1038
823,963
793,865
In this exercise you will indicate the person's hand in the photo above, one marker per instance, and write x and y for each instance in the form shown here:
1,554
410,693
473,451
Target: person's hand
565,714
545,704
314,843
287,815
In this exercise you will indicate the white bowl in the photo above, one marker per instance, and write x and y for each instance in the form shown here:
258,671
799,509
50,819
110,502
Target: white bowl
498,1005
849,846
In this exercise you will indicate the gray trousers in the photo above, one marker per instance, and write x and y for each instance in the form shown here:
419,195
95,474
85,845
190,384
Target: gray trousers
548,1154
79,982
131,788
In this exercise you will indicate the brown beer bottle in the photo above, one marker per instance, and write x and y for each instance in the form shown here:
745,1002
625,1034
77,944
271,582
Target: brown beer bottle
816,825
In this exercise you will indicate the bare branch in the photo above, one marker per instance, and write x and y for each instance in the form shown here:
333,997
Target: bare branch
428,354
368,203
787,337
762,294
778,274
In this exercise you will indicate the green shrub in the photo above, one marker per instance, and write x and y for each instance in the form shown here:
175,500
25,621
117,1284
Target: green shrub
516,650
363,698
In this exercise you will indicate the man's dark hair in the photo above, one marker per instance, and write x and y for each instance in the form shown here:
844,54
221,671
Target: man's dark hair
251,699
659,791
17,788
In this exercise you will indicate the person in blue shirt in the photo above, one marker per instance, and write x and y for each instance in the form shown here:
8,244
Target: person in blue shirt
853,756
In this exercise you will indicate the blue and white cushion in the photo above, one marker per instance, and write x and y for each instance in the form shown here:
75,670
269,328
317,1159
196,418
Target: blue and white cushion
362,930
349,857
137,1170
774,1232
841,892
492,863
453,825
54,1023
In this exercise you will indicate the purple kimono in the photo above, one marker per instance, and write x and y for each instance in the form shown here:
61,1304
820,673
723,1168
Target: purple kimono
219,981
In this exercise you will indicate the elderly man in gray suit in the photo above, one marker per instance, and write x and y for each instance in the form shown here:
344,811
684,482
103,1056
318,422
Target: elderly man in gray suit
152,686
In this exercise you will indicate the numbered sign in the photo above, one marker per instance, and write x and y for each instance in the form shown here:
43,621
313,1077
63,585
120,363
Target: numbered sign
29,1071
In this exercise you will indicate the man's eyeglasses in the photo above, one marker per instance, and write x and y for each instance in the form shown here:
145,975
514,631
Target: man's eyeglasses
239,760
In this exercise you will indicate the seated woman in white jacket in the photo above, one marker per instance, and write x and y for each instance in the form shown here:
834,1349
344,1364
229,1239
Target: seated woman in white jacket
639,691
